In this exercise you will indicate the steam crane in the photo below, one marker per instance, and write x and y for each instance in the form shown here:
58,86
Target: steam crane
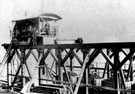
31,31
27,32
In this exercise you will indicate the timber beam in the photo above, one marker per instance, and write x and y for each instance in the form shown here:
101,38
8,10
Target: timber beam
78,46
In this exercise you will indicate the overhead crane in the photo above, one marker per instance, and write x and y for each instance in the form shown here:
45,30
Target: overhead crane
35,67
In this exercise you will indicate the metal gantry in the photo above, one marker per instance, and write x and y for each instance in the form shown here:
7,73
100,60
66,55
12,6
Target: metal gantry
57,65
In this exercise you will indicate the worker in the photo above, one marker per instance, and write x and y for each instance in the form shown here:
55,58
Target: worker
30,28
46,28
34,33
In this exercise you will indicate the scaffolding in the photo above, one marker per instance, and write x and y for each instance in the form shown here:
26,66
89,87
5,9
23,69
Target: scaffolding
36,66
61,75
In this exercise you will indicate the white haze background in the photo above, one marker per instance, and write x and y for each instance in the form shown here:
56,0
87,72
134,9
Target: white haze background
93,20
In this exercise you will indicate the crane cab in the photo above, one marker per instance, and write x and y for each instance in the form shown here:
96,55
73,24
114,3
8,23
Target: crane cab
31,31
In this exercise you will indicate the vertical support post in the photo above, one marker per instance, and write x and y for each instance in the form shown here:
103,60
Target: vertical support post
115,68
8,74
71,65
71,62
131,75
23,61
86,72
39,68
131,72
87,80
9,56
56,64
60,74
108,69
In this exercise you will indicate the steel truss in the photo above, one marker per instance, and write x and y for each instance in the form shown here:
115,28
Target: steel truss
84,54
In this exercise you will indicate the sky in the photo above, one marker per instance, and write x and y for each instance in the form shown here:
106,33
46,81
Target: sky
93,20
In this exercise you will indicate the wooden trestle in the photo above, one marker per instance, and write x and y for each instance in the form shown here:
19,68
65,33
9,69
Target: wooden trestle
85,54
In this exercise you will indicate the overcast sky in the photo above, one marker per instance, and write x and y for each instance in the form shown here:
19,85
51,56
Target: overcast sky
93,20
